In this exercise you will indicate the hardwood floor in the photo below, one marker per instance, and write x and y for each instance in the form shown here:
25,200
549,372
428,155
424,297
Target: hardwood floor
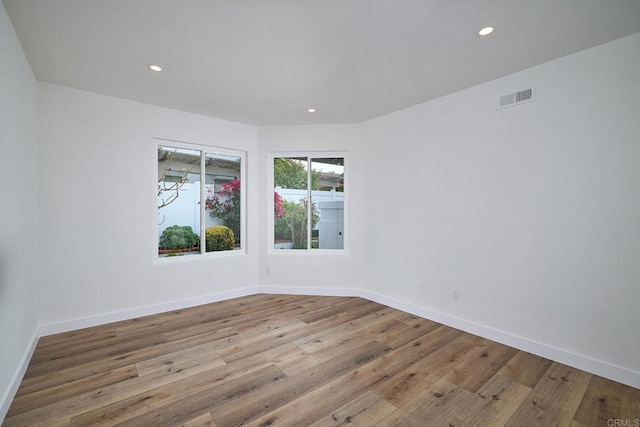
303,360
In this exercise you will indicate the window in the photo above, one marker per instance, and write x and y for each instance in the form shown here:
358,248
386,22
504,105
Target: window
196,215
309,202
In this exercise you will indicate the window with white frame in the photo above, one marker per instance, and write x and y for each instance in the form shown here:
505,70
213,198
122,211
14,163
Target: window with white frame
309,201
200,200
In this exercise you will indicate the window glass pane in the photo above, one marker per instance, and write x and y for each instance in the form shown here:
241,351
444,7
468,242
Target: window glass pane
327,201
222,202
290,203
178,201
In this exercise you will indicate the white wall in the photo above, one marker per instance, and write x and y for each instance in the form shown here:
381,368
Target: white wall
185,210
312,272
531,212
18,210
97,164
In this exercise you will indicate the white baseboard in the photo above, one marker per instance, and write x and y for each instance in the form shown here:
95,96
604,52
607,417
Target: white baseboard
299,290
597,367
101,319
585,363
594,366
10,393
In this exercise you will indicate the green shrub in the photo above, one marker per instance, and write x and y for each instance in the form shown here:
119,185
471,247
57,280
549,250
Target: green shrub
225,205
219,238
293,222
178,237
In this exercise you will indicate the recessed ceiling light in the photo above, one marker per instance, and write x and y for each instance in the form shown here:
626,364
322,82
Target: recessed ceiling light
486,31
311,110
153,67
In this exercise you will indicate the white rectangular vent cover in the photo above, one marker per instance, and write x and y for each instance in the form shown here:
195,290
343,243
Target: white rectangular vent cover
516,98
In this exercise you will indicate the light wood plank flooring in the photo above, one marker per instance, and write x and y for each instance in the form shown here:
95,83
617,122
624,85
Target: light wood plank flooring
289,360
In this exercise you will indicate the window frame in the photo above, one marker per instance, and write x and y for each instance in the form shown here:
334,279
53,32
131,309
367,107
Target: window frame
203,149
310,155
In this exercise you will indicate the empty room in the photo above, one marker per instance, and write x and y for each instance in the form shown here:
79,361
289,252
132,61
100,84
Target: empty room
413,212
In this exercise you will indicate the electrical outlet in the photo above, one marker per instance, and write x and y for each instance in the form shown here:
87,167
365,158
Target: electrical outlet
456,295
268,269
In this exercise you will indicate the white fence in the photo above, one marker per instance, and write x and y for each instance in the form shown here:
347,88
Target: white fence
317,196
185,210
331,226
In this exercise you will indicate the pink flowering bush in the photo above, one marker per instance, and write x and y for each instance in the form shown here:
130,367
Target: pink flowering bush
278,208
225,205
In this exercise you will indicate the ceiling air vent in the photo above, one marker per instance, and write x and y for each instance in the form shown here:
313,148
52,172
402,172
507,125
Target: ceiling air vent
516,98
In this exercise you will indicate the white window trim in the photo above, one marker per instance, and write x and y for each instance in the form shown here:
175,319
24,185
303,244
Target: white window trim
271,219
243,201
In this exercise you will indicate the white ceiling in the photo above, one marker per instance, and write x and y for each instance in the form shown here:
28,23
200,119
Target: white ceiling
264,62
